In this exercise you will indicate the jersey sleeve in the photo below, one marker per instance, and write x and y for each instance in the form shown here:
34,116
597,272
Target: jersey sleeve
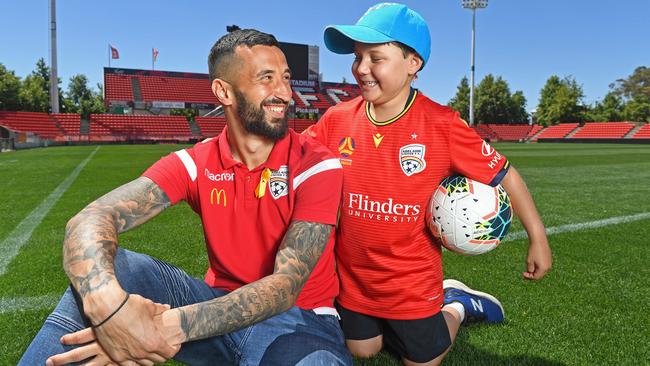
318,191
173,175
473,157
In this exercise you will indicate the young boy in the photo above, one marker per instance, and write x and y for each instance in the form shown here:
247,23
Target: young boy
389,265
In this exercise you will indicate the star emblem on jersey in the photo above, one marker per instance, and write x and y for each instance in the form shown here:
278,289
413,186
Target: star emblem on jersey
377,137
278,183
411,159
414,136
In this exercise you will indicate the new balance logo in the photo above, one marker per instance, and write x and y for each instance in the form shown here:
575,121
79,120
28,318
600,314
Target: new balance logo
477,305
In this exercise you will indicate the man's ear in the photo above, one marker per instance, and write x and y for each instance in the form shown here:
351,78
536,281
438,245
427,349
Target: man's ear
415,64
223,91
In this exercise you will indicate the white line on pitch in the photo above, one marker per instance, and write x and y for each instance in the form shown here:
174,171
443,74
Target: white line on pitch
10,247
48,301
9,305
583,226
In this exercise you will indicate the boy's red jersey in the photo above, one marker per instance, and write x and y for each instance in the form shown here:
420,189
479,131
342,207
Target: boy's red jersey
389,264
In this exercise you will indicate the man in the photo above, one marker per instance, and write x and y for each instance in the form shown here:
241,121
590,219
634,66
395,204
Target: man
268,201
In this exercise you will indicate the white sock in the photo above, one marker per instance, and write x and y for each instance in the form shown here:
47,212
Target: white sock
459,308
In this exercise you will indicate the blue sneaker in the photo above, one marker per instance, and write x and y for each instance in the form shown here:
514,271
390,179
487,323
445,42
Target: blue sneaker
479,306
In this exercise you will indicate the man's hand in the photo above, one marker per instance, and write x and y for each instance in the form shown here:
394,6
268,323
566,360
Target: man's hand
89,349
539,260
89,250
133,333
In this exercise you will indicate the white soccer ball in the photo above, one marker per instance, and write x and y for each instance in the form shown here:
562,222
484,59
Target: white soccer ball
467,216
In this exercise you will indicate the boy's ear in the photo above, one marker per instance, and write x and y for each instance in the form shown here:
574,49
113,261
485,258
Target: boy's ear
223,91
415,64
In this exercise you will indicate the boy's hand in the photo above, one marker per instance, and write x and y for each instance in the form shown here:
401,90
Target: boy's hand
539,260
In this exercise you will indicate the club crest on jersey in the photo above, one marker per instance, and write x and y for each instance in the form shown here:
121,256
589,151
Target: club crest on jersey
346,149
411,158
278,183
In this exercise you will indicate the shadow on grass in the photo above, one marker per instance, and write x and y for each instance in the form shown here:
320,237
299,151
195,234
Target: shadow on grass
464,354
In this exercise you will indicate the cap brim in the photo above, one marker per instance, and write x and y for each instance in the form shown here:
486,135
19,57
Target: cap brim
340,38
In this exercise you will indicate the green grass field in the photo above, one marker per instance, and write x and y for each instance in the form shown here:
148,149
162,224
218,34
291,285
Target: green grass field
592,309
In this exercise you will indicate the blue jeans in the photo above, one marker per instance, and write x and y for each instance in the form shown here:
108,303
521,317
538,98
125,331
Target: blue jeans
295,337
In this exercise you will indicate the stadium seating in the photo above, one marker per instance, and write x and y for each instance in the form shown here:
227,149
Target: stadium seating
141,127
69,123
534,130
176,89
510,132
305,97
210,126
163,86
609,130
643,132
557,131
300,125
339,92
36,122
117,87
485,132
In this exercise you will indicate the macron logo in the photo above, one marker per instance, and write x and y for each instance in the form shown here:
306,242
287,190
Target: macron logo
477,305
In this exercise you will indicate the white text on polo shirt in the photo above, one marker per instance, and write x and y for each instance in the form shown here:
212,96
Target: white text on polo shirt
219,177
495,160
360,205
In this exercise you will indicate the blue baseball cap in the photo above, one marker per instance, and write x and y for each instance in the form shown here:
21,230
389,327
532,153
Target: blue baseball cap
382,23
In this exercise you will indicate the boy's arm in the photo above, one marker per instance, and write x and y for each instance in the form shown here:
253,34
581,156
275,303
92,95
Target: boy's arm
539,258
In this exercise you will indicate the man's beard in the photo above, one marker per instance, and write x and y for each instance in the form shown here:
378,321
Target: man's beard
254,120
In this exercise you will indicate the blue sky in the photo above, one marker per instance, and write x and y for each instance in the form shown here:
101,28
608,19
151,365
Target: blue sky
523,41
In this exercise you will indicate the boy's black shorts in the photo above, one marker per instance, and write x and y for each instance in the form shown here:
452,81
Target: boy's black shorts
418,340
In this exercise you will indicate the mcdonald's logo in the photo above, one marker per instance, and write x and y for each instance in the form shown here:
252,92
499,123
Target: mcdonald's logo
218,194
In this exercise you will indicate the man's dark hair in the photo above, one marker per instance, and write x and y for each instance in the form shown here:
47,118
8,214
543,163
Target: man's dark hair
223,50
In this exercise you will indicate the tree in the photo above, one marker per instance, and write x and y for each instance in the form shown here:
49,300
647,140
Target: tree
635,93
636,86
637,110
608,110
9,90
81,99
188,113
43,71
493,101
561,100
460,102
32,95
518,113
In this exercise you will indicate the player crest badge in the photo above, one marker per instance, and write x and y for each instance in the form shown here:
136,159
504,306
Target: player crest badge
278,183
411,158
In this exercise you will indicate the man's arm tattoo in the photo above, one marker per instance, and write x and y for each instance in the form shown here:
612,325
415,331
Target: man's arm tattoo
90,240
297,256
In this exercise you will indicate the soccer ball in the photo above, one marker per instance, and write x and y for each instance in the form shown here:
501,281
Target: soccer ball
467,216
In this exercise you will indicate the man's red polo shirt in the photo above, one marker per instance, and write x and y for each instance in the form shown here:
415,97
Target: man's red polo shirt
243,232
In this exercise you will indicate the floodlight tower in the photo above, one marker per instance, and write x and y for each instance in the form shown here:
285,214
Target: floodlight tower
54,78
473,4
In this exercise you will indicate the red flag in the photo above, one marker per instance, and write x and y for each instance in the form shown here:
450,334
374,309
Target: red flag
155,54
114,53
